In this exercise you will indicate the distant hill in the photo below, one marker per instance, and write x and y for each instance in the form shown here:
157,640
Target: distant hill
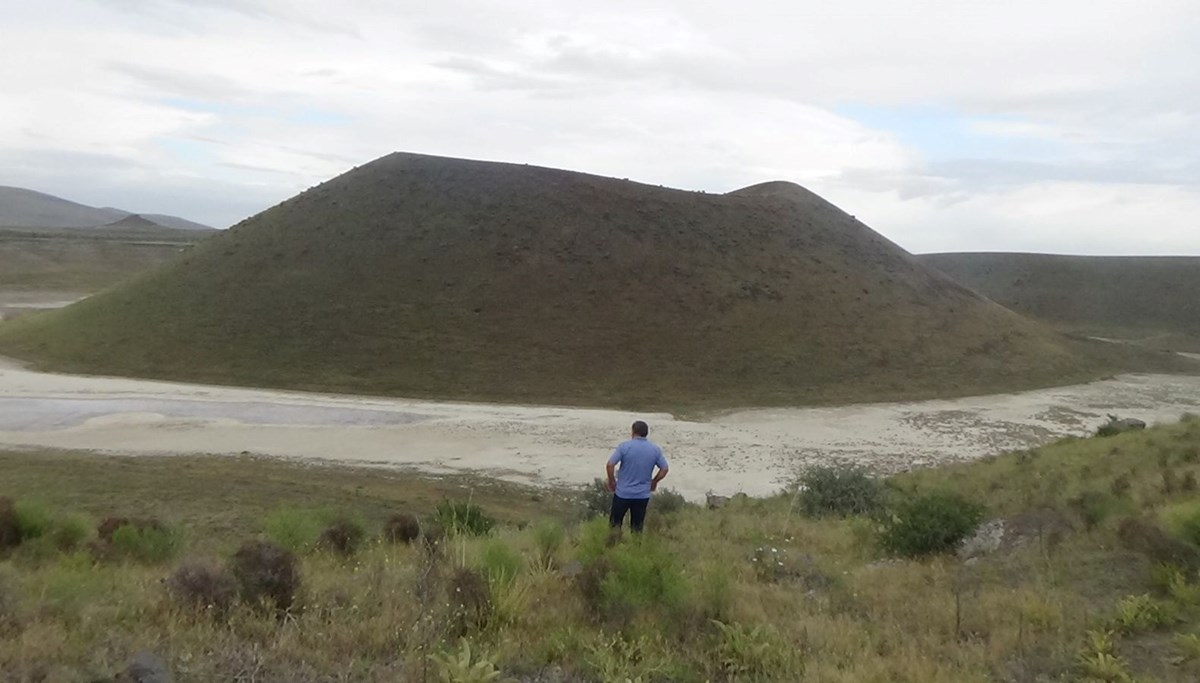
175,222
21,208
426,276
134,222
1149,298
85,260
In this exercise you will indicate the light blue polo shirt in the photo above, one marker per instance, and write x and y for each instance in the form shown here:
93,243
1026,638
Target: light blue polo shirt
637,458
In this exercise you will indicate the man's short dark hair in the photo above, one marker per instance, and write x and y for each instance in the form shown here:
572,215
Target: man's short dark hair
641,428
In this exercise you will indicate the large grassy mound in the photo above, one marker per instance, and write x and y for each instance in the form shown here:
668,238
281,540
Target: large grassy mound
1154,299
438,277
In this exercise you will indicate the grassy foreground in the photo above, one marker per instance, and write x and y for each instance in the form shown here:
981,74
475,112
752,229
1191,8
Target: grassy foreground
1094,578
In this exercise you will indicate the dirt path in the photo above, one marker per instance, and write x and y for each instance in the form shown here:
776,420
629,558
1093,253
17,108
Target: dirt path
754,451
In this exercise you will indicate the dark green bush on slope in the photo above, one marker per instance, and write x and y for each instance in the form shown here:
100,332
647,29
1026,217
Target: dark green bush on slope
838,490
463,517
929,523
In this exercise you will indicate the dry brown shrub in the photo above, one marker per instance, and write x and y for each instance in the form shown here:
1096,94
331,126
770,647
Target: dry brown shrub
109,525
470,597
266,574
433,535
343,537
10,530
401,528
203,585
590,582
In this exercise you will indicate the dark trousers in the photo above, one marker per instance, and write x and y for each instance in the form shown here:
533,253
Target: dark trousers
636,507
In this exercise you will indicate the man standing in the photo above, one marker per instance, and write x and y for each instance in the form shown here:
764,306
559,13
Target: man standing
632,483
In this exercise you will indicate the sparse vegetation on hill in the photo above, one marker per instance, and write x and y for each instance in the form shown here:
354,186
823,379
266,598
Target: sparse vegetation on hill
1152,300
1085,569
84,261
433,277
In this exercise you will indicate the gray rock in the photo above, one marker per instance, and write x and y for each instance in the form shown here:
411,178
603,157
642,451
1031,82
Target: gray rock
148,667
1124,424
715,502
987,540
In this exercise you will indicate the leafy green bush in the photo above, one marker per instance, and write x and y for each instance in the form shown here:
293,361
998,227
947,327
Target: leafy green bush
1093,507
838,490
625,658
1188,526
1103,666
596,498
715,591
34,519
667,501
1190,455
748,653
70,531
928,523
465,667
501,564
147,544
295,529
1183,591
642,572
1137,613
595,537
1188,645
463,517
548,537
622,575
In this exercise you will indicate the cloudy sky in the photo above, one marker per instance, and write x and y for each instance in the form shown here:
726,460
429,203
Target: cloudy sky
1033,125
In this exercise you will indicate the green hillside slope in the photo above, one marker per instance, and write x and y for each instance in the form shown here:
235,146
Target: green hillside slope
1154,299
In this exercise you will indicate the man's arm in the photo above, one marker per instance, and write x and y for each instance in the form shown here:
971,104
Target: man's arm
611,469
662,474
663,468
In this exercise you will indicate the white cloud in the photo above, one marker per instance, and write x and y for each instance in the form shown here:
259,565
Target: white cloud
1081,115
